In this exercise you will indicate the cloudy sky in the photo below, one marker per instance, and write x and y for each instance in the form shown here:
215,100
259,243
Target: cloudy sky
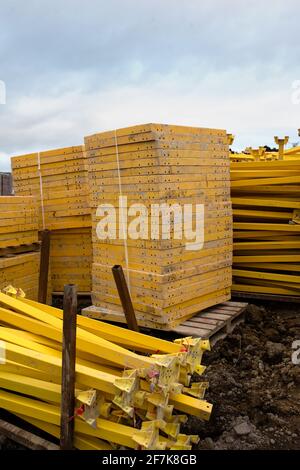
74,67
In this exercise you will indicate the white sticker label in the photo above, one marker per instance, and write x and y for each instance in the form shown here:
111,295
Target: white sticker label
2,352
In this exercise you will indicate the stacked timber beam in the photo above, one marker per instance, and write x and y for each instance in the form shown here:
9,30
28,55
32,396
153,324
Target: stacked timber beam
19,248
58,179
132,390
161,164
266,208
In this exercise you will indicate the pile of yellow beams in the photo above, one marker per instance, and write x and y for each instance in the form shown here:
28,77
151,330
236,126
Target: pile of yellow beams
266,208
71,259
19,221
19,227
132,390
159,164
58,179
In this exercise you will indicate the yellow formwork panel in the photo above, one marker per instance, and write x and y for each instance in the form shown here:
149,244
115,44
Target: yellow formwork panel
152,163
61,170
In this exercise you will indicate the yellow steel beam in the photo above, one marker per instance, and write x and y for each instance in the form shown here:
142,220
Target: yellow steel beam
85,340
262,289
46,391
266,245
265,226
81,441
126,338
265,181
263,265
267,203
46,331
266,275
91,378
105,429
262,214
266,258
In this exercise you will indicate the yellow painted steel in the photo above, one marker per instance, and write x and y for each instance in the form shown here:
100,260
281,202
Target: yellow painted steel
71,259
105,429
81,441
19,221
132,339
62,170
19,226
266,202
161,163
265,275
89,342
112,396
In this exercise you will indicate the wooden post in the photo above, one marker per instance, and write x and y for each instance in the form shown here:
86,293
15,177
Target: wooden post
44,266
68,368
125,297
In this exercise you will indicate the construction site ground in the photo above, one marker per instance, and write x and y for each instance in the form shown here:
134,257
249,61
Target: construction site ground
254,386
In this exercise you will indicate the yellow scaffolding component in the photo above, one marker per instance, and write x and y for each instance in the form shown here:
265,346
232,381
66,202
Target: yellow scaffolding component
110,396
81,441
266,201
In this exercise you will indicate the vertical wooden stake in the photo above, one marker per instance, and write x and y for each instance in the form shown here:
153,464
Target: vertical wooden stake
68,368
125,297
44,266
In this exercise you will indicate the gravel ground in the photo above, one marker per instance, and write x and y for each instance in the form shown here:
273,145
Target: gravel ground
254,386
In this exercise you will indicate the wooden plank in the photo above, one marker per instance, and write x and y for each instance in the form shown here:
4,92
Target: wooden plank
216,316
25,438
14,250
225,325
190,331
204,325
201,319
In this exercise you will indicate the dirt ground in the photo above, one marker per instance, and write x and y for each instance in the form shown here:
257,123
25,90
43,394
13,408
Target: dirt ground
254,386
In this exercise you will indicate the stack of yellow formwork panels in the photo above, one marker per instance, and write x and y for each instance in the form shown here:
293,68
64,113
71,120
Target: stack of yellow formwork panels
71,259
21,271
266,208
58,179
132,390
19,221
161,164
19,232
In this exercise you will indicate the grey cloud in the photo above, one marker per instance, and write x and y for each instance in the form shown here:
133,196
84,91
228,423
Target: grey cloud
74,66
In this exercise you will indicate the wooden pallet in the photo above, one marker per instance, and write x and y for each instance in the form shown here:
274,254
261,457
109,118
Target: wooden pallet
214,323
21,249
